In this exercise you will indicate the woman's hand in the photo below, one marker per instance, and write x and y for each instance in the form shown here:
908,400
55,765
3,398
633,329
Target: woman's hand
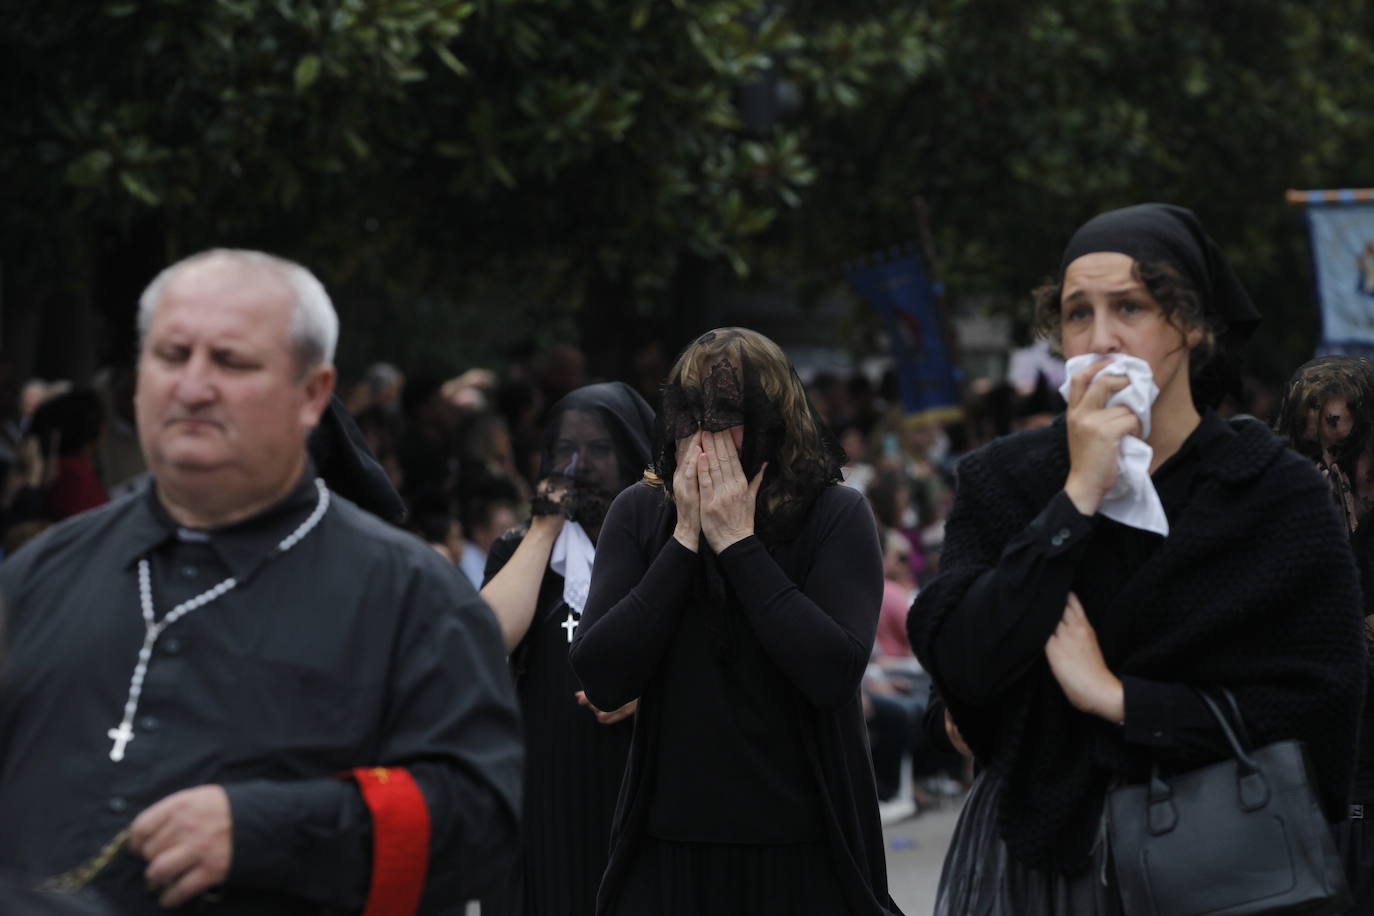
608,718
727,496
1095,432
551,492
686,493
1077,662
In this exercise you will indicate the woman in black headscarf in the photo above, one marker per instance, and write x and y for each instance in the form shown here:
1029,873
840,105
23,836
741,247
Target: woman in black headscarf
1327,414
596,443
1067,643
737,594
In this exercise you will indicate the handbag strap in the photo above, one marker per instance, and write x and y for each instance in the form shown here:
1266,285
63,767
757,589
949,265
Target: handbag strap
1237,720
1228,731
1252,789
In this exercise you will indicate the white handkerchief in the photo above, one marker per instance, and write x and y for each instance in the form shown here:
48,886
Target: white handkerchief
1132,500
572,558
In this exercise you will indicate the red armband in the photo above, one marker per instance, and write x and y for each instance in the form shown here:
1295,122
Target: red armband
400,840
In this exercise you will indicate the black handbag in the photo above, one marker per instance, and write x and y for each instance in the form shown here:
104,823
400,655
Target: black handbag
1239,837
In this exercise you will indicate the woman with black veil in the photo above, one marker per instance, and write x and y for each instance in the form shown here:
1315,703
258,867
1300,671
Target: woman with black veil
596,443
736,594
1327,414
1099,570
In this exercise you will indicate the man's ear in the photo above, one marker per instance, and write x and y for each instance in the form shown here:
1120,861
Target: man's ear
318,386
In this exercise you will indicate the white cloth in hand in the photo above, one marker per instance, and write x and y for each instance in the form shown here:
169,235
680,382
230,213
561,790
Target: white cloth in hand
572,558
1132,500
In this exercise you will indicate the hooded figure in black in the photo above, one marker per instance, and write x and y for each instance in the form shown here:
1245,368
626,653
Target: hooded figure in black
596,443
1068,645
736,595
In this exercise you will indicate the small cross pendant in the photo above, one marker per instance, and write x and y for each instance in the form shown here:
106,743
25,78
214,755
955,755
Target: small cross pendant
121,736
570,625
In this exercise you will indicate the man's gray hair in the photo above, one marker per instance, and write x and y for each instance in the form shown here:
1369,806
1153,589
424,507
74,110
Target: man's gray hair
314,326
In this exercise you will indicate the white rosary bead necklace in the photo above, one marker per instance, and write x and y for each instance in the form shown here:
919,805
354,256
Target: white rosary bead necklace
152,629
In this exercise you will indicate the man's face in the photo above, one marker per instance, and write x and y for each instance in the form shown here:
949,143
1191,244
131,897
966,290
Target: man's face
219,400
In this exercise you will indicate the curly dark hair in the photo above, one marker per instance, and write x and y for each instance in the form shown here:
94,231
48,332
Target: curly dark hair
1182,306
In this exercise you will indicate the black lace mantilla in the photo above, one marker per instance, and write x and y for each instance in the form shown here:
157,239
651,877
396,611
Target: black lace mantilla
717,405
728,397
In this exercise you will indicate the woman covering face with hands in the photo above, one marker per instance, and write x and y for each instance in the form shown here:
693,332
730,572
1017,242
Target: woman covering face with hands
1067,630
714,486
736,593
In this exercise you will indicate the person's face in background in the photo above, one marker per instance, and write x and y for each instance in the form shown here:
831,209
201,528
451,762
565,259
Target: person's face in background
500,519
853,444
585,451
897,558
1329,423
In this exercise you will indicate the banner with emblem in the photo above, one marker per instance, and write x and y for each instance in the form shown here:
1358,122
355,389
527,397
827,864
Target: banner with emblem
1341,229
897,285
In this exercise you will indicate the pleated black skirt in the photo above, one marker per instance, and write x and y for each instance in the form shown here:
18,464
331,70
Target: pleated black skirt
668,878
980,878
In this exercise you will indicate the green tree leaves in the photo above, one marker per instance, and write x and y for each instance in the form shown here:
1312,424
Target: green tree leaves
571,150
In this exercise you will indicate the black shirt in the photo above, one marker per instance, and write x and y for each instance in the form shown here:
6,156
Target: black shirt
357,647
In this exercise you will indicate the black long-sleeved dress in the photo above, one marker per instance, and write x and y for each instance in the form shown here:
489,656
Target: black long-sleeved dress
749,786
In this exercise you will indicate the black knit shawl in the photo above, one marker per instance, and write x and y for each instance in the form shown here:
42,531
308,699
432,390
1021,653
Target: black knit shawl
1253,589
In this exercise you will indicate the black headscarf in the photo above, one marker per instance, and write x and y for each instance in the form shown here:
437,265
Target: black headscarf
1174,236
1166,234
630,421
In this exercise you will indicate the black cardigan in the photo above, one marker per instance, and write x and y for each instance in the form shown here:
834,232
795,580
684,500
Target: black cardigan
1254,589
812,603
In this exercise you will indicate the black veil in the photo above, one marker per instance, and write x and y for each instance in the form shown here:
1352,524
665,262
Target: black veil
803,456
630,422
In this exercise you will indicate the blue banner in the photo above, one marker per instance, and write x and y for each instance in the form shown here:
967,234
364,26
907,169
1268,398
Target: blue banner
1343,264
898,287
